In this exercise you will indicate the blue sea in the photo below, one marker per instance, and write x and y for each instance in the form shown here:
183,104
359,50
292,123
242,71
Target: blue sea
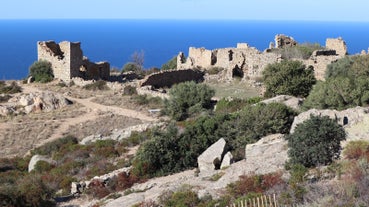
160,40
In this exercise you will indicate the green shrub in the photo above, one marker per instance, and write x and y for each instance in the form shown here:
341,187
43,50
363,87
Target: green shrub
315,142
150,101
132,67
186,99
230,106
49,148
301,51
214,70
288,77
346,85
97,85
183,198
171,64
41,71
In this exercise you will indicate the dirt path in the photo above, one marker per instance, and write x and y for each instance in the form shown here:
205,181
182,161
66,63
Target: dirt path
94,110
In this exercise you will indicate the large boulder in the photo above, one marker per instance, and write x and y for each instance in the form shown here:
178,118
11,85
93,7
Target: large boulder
39,101
290,101
211,158
346,118
267,155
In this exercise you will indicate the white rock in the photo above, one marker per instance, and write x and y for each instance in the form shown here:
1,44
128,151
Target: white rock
227,160
213,154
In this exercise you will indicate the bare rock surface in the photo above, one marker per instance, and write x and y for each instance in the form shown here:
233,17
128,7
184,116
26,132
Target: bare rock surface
347,118
210,157
122,133
267,155
38,101
260,159
290,101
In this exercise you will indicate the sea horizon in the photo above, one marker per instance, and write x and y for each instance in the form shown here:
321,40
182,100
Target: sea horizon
115,40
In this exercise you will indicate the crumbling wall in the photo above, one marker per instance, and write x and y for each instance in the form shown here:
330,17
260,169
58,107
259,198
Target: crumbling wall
244,61
282,41
68,62
337,44
170,77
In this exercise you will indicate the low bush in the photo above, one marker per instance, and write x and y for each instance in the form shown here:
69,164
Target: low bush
214,70
316,141
229,106
356,149
41,71
254,184
9,89
301,51
171,64
129,90
97,85
187,99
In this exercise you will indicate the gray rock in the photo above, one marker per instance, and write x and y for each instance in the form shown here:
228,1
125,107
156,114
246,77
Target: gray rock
345,118
32,163
227,160
267,155
290,101
211,157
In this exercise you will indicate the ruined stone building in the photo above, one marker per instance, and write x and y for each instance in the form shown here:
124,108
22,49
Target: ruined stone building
248,62
242,61
68,62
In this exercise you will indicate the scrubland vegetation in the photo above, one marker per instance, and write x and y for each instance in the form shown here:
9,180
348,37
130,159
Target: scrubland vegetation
314,147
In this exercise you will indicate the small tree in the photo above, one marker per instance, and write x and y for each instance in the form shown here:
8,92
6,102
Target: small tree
315,142
171,64
288,77
41,71
188,98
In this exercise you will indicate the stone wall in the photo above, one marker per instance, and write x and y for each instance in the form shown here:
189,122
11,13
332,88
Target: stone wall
337,44
67,61
170,77
243,61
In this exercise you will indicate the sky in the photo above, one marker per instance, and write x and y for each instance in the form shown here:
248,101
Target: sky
315,10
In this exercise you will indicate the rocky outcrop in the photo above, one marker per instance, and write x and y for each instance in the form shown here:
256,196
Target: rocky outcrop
211,158
38,101
290,101
121,134
346,118
36,158
267,155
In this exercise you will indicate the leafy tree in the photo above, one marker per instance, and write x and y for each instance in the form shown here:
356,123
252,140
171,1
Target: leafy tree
41,71
131,67
346,85
315,142
171,64
188,98
288,77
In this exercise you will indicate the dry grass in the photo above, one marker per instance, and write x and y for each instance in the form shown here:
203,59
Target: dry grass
234,89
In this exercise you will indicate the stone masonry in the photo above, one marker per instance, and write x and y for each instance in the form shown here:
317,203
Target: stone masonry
68,62
243,61
248,62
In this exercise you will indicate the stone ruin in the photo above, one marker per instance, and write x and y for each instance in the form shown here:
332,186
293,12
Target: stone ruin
68,62
243,61
248,63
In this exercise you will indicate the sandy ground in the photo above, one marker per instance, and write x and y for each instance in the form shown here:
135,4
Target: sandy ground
21,133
